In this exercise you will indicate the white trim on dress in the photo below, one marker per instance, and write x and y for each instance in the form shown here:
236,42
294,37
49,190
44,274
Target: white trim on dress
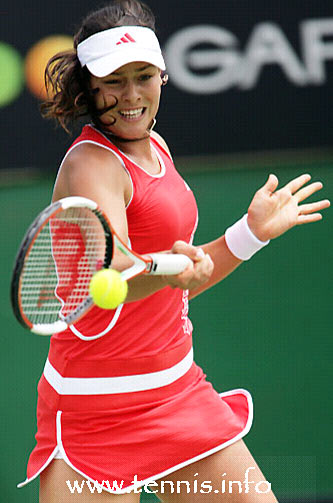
162,165
120,384
157,476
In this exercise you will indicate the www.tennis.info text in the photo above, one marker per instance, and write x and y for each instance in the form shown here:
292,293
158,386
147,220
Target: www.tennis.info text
167,486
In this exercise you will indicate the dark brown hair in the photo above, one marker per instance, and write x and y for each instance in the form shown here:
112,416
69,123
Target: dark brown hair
66,82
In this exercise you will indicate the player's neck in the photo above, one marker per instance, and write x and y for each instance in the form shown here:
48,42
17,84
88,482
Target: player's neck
146,159
131,146
136,148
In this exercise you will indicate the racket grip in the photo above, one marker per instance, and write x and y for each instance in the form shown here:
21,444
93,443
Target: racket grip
169,263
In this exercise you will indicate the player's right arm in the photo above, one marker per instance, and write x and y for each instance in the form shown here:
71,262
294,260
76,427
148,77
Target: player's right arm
94,172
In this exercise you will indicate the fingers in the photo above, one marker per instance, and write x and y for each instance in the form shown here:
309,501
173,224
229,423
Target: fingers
196,274
308,219
297,183
271,184
193,252
306,209
202,271
308,212
308,191
294,188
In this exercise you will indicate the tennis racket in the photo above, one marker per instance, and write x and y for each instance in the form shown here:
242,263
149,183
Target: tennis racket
62,249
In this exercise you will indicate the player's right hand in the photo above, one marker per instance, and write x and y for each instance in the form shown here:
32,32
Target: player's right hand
194,275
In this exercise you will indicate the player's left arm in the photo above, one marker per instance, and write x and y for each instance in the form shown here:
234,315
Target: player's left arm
272,212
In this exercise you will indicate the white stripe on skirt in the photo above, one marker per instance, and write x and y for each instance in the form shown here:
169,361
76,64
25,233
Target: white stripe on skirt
121,384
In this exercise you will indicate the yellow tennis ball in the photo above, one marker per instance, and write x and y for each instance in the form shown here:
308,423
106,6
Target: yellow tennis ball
108,289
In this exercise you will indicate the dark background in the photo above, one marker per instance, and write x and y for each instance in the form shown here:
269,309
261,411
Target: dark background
274,114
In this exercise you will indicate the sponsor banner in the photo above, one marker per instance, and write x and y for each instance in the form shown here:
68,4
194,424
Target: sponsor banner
243,76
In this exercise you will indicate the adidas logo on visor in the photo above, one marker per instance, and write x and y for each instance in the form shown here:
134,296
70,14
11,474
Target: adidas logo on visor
126,39
106,51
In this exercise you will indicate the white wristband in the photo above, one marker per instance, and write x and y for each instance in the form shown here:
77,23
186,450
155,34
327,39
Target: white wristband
241,241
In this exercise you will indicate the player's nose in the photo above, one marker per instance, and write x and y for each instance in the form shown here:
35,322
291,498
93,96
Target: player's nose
131,92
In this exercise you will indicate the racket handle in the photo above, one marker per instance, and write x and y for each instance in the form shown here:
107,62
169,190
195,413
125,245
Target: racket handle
169,263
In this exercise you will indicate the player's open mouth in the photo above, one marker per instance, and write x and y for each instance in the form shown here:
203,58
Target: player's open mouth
133,114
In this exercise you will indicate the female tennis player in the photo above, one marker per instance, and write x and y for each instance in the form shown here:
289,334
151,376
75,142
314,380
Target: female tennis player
121,401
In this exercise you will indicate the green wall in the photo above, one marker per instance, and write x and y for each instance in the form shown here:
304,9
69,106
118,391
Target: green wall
266,328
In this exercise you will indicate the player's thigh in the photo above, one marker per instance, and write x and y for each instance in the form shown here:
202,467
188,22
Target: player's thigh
229,476
54,488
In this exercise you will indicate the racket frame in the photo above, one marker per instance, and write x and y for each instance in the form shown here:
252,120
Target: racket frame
154,263
28,240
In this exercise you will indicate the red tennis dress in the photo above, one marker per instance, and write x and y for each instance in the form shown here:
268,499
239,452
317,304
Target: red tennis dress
121,398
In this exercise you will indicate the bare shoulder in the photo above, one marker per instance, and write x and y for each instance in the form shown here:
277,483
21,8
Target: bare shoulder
87,170
161,141
88,155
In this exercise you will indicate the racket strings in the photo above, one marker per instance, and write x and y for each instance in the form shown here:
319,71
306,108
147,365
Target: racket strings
57,271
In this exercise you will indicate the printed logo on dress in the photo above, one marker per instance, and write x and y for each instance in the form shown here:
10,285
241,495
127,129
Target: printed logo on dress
126,39
187,324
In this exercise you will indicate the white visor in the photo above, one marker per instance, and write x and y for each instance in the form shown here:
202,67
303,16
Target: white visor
106,51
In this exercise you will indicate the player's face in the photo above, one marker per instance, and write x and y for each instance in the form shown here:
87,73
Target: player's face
135,90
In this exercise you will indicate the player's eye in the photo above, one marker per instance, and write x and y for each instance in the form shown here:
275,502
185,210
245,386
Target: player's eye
112,81
145,77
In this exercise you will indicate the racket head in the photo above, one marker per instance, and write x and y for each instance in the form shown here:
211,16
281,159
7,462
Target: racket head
63,247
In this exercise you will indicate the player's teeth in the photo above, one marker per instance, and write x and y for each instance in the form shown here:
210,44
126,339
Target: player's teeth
132,113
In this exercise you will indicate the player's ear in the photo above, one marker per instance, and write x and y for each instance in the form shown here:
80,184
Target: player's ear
164,79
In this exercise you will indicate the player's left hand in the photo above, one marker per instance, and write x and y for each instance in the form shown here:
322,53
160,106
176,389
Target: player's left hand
272,212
